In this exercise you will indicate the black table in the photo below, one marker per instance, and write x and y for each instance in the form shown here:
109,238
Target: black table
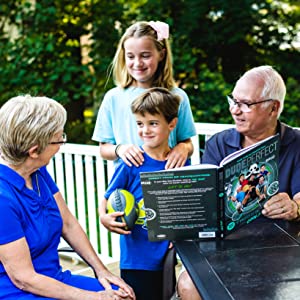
259,261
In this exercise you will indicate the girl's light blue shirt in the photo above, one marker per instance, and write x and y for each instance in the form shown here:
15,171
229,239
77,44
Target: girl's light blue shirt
116,124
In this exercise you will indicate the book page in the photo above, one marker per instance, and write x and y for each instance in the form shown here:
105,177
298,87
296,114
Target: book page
192,167
241,151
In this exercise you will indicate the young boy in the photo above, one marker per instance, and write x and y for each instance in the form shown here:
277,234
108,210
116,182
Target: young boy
141,261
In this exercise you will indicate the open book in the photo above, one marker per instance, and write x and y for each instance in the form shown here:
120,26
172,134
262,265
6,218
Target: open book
208,201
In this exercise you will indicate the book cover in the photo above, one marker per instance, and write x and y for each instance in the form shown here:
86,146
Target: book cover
207,201
250,179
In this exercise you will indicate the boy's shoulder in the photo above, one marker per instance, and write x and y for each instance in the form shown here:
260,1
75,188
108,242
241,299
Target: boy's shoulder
149,164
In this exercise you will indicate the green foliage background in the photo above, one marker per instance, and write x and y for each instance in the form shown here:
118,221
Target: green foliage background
63,49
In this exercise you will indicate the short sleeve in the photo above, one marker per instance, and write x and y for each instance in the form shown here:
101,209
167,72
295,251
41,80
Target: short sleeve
118,180
10,220
49,180
185,127
103,131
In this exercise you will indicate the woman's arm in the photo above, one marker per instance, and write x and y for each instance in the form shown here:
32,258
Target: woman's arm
16,259
76,237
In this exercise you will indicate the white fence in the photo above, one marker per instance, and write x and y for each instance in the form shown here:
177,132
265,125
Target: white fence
82,176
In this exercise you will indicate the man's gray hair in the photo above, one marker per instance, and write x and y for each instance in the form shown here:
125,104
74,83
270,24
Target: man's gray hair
274,86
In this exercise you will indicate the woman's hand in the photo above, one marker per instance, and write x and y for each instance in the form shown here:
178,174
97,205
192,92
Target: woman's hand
112,295
106,278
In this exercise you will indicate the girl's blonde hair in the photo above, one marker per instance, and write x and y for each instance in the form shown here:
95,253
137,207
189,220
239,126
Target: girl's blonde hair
164,74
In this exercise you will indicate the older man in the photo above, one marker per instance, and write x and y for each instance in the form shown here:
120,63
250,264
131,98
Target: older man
255,105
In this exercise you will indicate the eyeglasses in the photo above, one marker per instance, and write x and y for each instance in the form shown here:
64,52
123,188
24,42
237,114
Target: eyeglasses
62,142
244,107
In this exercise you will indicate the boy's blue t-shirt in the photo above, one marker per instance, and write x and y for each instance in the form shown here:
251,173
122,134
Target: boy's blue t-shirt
137,252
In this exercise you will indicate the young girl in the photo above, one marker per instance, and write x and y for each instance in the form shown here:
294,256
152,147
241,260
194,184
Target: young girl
141,261
142,60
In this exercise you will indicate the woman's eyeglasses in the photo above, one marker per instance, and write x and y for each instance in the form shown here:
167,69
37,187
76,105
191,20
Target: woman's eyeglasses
62,142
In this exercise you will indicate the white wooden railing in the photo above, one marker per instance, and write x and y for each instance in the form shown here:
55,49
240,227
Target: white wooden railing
82,176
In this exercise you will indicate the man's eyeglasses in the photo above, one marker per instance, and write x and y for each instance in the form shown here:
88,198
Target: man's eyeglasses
244,107
62,142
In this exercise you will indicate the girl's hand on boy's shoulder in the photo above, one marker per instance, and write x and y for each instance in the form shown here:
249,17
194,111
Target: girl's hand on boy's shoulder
109,222
131,155
177,157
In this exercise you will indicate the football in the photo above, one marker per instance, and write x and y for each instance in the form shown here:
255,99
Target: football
124,201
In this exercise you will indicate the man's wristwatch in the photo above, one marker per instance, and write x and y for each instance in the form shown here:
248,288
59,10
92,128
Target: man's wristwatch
298,212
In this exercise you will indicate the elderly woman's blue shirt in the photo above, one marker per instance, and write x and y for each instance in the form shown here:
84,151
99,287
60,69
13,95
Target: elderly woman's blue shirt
32,214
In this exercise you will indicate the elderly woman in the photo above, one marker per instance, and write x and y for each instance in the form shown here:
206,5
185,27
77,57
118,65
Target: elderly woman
33,214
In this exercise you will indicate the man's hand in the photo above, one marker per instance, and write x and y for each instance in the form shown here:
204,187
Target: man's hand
281,206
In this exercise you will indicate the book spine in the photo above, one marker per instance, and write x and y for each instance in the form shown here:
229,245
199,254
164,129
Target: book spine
221,199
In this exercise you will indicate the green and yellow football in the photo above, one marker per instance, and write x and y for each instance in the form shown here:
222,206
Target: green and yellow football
123,201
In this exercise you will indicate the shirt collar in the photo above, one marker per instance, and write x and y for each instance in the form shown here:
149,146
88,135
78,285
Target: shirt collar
233,139
12,177
287,135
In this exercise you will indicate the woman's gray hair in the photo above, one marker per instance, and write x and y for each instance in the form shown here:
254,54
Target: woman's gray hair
273,87
26,121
